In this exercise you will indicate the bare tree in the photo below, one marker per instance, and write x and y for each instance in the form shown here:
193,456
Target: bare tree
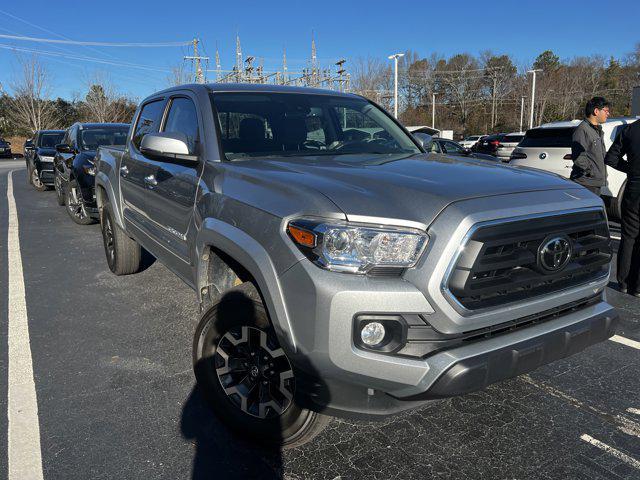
460,82
30,108
373,79
103,103
179,76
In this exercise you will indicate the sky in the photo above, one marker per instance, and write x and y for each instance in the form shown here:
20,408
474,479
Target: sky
342,29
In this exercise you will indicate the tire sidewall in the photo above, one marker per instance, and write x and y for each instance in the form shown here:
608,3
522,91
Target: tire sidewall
105,213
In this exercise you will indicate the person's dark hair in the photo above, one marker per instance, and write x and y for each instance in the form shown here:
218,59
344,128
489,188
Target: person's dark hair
595,102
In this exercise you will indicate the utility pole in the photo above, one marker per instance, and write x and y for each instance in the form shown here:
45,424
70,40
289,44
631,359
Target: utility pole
199,73
340,65
395,58
533,93
433,110
218,67
314,62
285,76
238,59
521,112
493,102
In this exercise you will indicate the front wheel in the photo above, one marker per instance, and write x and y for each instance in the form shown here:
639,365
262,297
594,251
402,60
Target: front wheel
124,255
246,376
36,181
75,204
57,185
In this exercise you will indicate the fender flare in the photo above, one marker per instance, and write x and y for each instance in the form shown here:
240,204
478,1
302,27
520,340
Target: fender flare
102,181
255,259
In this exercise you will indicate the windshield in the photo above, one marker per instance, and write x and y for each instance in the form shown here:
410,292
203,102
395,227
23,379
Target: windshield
469,139
289,124
93,138
50,140
548,137
513,138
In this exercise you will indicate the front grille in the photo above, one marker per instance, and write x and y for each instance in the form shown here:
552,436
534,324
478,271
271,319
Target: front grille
499,263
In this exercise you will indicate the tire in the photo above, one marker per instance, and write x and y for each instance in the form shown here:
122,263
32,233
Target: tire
34,179
236,330
75,204
124,255
57,185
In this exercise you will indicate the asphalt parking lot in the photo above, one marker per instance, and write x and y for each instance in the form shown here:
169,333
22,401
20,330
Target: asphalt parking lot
115,390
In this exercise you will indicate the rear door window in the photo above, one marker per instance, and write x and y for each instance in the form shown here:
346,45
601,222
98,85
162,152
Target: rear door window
548,137
148,121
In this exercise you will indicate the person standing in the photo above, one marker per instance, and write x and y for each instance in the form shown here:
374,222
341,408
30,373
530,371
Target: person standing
587,147
627,142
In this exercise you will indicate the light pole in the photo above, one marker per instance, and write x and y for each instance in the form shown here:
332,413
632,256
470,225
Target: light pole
433,110
395,58
533,93
521,112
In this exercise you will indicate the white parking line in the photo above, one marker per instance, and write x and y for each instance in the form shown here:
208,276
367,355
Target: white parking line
623,424
625,341
613,451
23,438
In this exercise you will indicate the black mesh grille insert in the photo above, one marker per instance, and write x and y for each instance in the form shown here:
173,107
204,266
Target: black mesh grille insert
500,264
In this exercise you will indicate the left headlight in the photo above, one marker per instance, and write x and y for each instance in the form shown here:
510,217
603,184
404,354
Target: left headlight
355,248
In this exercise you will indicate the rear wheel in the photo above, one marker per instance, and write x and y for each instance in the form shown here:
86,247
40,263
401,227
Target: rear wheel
246,376
36,182
75,204
124,255
57,185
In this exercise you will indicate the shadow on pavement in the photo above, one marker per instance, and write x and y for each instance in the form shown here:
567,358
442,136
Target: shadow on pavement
218,453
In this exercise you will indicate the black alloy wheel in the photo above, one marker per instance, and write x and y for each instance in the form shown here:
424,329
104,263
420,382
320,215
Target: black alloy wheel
75,204
109,241
254,372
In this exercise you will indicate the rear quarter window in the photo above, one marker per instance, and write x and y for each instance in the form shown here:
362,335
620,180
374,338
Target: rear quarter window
548,137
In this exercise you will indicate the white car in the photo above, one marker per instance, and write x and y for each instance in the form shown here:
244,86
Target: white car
508,144
548,147
470,141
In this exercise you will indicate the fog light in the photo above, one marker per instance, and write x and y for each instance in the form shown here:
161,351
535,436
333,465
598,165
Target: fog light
372,334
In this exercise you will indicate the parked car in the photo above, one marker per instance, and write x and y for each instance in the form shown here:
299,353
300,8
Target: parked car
38,155
548,147
471,140
5,149
347,277
489,144
74,168
449,147
507,144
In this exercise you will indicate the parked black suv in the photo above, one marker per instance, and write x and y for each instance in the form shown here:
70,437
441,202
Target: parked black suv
74,170
38,155
5,149
489,145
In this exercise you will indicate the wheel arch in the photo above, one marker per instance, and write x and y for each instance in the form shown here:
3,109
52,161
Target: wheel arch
104,194
226,257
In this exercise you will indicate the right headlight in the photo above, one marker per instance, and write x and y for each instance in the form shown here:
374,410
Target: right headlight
357,248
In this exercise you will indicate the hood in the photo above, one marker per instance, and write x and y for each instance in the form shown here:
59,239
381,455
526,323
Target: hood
46,151
415,187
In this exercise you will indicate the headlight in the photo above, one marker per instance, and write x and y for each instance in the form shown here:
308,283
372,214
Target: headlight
344,247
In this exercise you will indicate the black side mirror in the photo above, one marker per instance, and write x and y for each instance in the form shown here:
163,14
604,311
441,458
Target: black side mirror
64,148
28,144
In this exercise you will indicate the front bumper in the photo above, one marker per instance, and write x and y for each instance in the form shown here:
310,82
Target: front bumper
45,170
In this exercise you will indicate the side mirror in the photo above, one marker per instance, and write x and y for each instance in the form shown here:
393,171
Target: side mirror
423,139
64,148
8,143
167,146
28,144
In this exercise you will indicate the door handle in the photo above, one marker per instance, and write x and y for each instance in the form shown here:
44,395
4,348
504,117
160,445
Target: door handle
150,180
124,171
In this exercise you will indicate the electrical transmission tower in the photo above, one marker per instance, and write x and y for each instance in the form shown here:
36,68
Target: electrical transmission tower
197,60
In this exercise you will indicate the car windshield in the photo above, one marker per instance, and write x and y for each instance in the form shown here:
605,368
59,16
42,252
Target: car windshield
92,138
291,124
548,137
469,139
513,138
50,140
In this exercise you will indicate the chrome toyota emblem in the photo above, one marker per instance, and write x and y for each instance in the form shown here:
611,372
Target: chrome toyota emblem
555,253
543,155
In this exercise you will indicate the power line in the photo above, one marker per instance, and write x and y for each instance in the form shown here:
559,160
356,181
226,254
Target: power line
95,44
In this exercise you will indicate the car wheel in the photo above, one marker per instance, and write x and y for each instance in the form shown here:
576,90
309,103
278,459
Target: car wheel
57,185
245,375
124,255
36,182
75,204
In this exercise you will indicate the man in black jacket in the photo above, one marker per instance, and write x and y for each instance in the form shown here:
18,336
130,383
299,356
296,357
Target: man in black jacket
587,147
627,143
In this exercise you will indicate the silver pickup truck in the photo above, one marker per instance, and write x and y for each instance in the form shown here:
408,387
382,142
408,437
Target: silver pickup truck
340,269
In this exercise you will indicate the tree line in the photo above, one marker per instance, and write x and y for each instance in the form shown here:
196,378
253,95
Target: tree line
484,93
30,106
